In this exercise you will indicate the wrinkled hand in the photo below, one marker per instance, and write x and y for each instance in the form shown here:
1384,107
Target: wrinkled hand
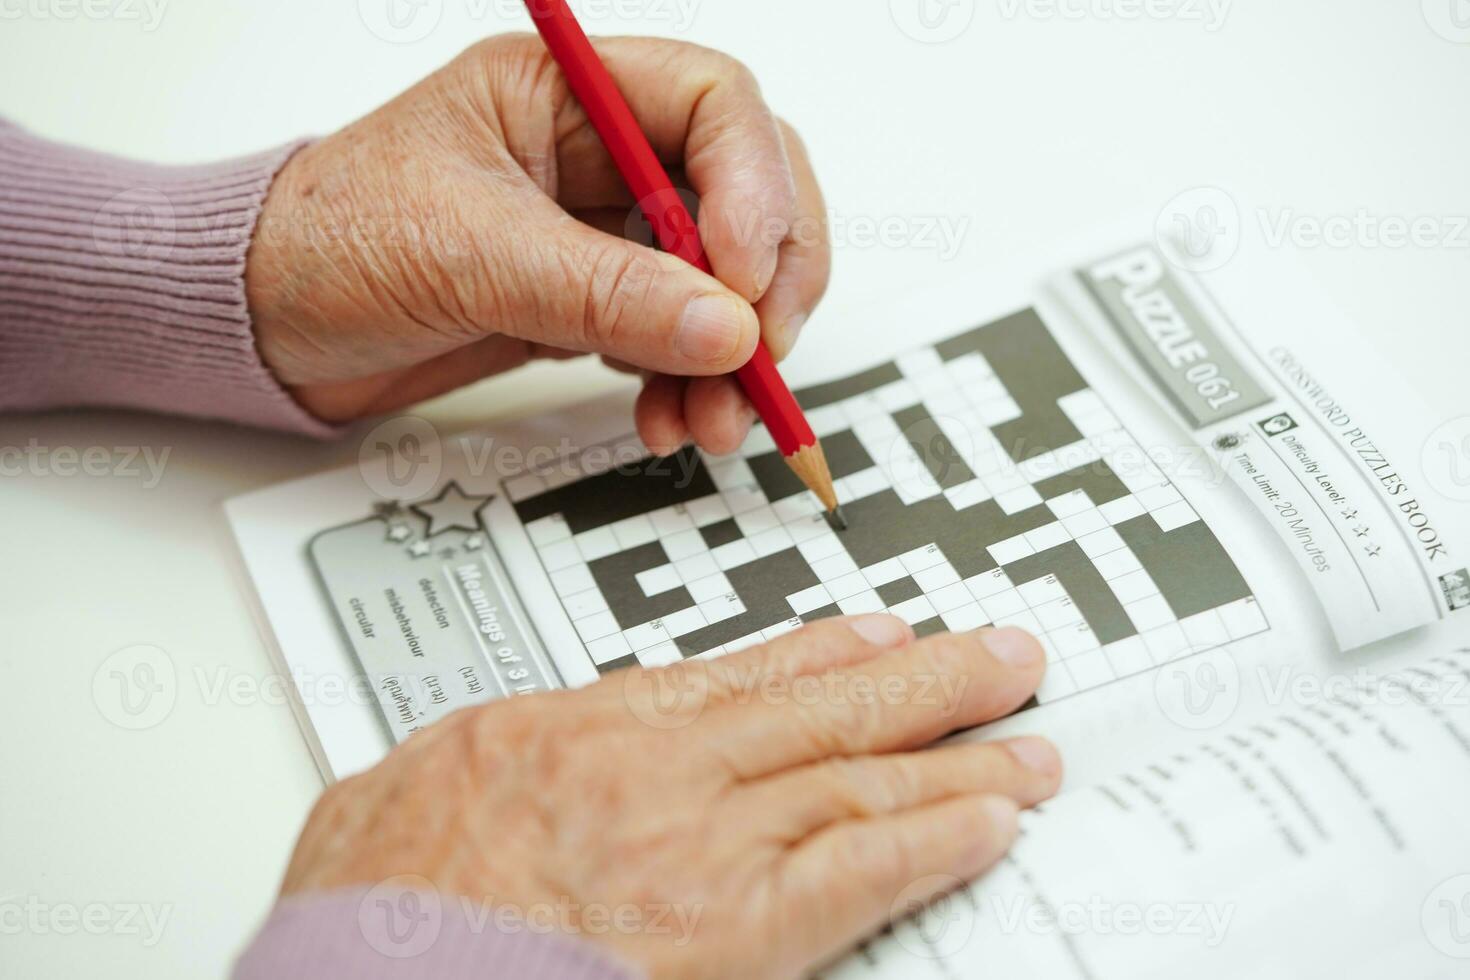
476,222
763,812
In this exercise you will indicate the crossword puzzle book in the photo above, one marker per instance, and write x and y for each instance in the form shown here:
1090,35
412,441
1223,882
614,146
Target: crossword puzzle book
1190,519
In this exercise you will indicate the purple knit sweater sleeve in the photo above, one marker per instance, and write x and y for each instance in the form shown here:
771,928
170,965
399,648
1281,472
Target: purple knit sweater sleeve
123,284
370,935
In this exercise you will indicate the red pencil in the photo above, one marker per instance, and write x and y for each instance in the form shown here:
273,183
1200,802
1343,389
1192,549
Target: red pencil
676,231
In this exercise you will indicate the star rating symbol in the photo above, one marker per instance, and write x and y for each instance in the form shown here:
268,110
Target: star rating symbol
1351,515
1372,551
387,509
1362,532
474,542
419,549
453,509
398,532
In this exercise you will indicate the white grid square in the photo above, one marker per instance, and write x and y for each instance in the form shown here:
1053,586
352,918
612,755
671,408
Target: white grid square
573,578
963,619
757,520
951,597
1003,604
670,520
1121,509
1040,591
733,555
684,621
1011,549
1090,668
633,532
847,586
548,530
661,655
657,581
1100,542
1048,536
1158,497
863,602
1116,564
915,610
561,555
1150,613
1133,586
596,626
596,543
682,544
821,547
1058,614
796,507
1019,499
967,494
921,558
1085,523
1056,684
1174,516
1205,630
1166,642
805,530
585,603
721,609
606,649
808,599
707,510
781,628
740,499
936,577
1243,617
1128,656
696,567
833,567
1069,504
772,541
865,483
987,584
646,635
889,570
709,587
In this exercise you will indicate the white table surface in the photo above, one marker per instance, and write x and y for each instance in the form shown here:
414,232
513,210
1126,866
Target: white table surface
1023,128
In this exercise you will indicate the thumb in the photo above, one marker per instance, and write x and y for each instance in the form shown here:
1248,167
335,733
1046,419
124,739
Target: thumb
579,288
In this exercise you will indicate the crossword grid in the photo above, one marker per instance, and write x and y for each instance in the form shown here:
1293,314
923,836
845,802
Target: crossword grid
952,409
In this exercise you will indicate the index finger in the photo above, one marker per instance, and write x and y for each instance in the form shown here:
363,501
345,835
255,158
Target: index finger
703,111
894,702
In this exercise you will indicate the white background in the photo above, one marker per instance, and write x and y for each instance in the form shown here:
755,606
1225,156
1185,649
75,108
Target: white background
1020,130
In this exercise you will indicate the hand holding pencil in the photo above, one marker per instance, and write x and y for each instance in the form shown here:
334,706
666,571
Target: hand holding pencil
487,225
677,232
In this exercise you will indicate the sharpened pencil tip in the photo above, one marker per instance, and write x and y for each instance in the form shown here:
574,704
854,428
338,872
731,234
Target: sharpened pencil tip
836,519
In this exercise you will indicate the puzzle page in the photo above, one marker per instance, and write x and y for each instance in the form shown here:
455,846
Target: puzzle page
1179,509
984,482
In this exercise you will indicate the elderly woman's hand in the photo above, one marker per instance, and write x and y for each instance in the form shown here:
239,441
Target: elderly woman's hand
476,222
748,816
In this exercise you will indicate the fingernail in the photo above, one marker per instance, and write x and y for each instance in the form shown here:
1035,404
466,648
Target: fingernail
1036,754
1012,646
881,631
791,330
765,273
711,327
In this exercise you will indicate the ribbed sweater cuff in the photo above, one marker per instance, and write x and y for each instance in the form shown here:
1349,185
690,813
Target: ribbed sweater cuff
358,934
122,284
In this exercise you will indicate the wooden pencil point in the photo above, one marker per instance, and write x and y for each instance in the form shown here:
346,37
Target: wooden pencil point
809,464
